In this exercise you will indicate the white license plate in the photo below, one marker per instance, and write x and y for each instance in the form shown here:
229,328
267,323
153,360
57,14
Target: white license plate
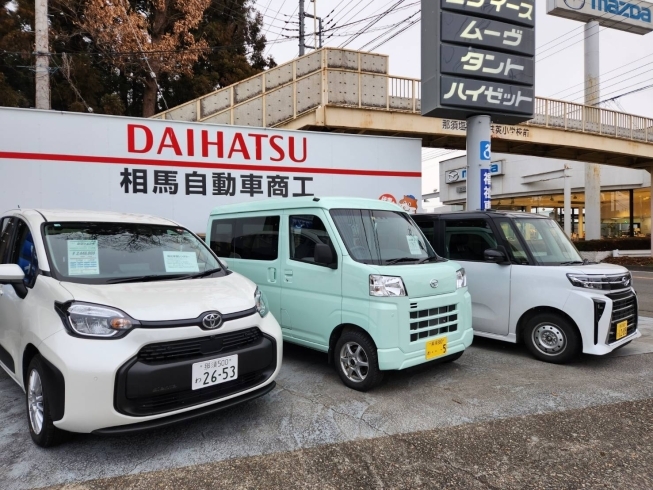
214,371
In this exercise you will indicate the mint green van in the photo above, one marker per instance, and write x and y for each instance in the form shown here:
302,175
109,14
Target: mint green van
352,277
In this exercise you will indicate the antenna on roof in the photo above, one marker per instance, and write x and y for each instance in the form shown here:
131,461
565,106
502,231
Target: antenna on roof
19,206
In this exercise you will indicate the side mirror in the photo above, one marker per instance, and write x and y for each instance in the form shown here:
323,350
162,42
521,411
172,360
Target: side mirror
494,255
11,274
323,254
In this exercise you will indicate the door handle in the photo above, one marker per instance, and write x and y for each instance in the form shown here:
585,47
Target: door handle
288,275
272,274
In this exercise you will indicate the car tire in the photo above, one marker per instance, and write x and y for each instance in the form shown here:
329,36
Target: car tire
356,361
39,420
453,357
552,338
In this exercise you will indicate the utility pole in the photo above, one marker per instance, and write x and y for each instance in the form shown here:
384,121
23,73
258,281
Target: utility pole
302,42
592,98
317,35
41,46
314,22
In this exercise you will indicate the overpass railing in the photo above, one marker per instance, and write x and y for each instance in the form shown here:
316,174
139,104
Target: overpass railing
346,78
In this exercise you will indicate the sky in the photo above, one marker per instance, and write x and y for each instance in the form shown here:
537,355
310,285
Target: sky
626,59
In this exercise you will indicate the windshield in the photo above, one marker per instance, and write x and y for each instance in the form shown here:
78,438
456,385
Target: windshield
547,242
106,253
382,237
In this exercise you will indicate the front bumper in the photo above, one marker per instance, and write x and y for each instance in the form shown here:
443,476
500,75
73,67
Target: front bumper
108,386
412,341
598,330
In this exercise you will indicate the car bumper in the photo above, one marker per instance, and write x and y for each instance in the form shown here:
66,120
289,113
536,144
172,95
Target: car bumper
598,329
413,352
102,395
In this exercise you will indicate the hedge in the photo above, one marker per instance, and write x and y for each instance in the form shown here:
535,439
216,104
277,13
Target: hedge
609,244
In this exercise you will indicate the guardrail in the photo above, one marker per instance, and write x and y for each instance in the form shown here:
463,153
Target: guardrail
347,78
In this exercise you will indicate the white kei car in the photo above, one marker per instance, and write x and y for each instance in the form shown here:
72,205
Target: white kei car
114,323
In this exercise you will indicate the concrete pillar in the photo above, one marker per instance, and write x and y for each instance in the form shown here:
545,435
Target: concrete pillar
567,202
592,98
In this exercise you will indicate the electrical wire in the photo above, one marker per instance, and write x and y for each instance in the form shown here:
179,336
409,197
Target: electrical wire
371,23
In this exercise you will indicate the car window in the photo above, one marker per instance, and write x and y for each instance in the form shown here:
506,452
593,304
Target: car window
428,228
510,235
468,239
6,228
254,238
23,253
306,231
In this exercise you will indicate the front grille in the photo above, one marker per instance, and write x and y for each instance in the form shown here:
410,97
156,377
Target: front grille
188,349
433,321
176,401
624,307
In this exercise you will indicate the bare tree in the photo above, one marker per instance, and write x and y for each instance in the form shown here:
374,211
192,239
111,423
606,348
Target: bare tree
144,39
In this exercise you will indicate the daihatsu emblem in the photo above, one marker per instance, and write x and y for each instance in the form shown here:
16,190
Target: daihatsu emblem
212,320
434,283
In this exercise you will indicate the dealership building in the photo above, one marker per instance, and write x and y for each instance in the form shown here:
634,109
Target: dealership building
536,185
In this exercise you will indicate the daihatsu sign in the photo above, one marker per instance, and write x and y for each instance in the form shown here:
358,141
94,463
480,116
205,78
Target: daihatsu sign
182,171
631,16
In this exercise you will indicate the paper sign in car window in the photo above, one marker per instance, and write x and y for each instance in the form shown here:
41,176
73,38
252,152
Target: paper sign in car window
413,245
83,258
181,262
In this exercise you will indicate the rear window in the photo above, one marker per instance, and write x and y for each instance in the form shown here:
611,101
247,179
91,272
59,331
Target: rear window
246,238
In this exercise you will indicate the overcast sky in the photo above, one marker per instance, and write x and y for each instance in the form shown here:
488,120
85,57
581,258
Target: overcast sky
626,60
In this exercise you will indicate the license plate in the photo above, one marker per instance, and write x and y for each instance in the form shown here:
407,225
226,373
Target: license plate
215,371
436,348
622,329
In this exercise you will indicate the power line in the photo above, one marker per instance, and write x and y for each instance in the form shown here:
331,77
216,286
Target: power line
371,23
394,26
415,22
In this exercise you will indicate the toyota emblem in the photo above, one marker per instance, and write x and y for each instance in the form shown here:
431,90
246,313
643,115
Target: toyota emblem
434,283
212,320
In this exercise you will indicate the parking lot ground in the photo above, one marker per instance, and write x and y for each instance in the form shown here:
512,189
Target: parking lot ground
608,446
311,408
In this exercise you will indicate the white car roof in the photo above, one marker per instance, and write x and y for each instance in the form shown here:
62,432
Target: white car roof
67,215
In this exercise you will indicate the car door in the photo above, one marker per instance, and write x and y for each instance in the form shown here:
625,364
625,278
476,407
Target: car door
311,295
7,226
465,241
16,304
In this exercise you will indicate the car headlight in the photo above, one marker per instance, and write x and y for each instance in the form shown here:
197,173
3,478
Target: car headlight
89,320
261,303
602,282
386,286
461,279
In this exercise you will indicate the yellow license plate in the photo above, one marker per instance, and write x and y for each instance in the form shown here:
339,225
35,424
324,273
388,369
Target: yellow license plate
622,329
436,348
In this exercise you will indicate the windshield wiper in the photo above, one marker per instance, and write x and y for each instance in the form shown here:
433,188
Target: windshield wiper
572,262
200,274
400,259
153,277
428,259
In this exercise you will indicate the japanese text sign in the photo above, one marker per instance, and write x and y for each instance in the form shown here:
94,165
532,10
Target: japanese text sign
478,59
486,186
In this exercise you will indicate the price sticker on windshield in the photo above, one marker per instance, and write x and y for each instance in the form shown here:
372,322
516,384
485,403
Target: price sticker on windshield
83,257
413,245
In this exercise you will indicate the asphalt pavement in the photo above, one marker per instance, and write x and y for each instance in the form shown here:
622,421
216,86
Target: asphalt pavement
496,418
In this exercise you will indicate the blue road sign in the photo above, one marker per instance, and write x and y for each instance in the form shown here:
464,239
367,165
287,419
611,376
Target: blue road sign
486,189
485,150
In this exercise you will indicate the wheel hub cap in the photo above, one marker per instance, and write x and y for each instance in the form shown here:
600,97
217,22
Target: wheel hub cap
354,362
549,339
35,401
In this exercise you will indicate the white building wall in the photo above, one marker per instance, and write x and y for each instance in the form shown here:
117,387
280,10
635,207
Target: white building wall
515,167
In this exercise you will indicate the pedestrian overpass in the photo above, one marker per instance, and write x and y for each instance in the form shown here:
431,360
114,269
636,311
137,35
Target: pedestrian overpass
346,91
